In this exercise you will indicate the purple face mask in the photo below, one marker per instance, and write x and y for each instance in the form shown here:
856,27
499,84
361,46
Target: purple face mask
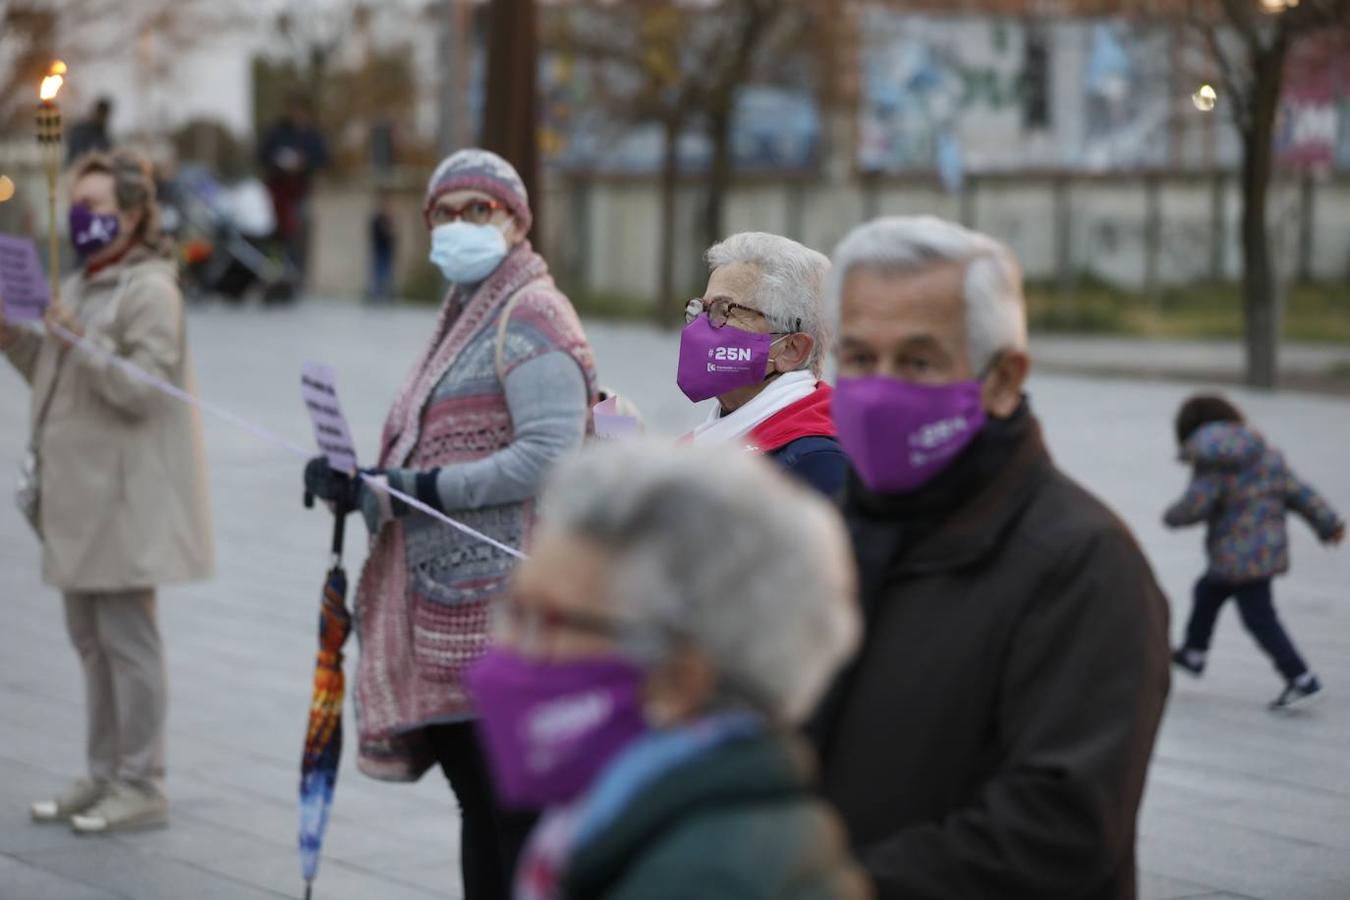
91,232
549,728
714,361
899,435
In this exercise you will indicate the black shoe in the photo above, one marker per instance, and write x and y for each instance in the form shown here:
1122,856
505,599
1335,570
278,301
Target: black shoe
1192,661
1297,694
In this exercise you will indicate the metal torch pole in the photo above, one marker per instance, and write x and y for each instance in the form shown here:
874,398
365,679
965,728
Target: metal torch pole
49,137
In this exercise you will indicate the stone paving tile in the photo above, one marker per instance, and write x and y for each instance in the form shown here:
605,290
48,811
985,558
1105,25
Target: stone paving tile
1240,804
20,881
279,872
113,867
1158,887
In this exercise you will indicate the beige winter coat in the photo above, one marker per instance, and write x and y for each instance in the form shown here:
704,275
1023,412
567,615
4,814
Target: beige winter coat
124,500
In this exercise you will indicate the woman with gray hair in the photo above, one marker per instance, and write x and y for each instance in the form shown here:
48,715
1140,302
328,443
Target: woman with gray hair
681,612
500,393
756,341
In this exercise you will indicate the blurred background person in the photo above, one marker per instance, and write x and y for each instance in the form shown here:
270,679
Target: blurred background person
383,248
290,154
756,340
502,392
993,737
92,132
648,671
1242,489
119,482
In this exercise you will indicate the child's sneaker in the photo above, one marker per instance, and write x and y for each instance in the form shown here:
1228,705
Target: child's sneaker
1192,661
1302,691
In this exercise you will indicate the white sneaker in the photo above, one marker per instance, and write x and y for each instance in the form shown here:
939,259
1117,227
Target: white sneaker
123,808
77,798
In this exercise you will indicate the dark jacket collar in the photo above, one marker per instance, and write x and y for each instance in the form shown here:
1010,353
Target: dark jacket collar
764,768
959,518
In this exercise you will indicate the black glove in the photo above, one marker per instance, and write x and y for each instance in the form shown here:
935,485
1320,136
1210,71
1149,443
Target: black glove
331,486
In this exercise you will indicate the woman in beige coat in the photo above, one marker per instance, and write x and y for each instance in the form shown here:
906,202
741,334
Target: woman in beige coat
122,503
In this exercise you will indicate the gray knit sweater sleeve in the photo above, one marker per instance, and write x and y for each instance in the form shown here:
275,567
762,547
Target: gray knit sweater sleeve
547,399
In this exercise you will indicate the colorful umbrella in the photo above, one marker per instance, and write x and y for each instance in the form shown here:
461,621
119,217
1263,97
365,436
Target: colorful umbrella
323,740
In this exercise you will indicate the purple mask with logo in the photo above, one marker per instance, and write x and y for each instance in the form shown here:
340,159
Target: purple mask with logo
898,435
714,361
91,232
550,727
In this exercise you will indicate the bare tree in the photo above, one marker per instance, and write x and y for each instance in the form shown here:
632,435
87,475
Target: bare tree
679,65
33,32
1251,54
509,119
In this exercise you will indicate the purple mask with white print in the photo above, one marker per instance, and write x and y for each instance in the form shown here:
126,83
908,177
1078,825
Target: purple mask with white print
714,361
91,232
898,435
550,727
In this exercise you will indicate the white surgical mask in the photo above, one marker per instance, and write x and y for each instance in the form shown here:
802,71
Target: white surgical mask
466,253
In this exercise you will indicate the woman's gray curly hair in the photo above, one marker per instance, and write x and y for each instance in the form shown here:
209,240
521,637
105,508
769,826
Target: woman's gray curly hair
725,552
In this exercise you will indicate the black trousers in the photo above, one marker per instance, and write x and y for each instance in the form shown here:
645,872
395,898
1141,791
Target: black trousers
491,838
1257,608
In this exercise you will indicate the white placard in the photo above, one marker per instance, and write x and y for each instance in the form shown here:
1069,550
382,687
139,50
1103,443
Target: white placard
318,387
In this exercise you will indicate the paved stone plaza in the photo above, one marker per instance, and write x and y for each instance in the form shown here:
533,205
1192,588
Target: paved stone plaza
1240,803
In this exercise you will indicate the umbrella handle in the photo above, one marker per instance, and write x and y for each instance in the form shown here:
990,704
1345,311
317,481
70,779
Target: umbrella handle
339,530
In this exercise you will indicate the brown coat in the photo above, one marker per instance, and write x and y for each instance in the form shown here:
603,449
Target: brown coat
991,740
124,501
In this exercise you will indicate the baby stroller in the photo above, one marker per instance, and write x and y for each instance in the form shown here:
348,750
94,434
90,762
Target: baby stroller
226,239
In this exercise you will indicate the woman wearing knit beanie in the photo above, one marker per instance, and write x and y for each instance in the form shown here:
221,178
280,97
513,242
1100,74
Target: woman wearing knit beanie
502,391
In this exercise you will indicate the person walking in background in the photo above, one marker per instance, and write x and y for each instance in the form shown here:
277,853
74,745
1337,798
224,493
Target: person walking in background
91,134
501,393
117,490
647,674
756,340
992,739
1242,489
290,154
383,248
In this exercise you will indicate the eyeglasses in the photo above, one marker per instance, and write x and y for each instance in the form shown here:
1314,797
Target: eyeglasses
720,311
475,212
527,624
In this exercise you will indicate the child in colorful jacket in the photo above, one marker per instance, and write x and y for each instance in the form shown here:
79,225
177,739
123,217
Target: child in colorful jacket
1242,489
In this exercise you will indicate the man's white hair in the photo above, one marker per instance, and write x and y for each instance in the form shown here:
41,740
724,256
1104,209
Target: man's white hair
790,284
724,553
996,317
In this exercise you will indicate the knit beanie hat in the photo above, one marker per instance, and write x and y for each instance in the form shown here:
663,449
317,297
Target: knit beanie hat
480,170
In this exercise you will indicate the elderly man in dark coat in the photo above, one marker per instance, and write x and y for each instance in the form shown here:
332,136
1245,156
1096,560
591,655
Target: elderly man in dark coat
993,736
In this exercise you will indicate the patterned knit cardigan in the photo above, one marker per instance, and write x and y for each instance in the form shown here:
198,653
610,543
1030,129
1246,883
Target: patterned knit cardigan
423,599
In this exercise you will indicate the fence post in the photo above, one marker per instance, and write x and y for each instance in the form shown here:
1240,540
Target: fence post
969,185
794,220
1063,233
1307,230
1152,237
1218,227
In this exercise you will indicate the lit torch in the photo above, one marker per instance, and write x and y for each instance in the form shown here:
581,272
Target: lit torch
49,139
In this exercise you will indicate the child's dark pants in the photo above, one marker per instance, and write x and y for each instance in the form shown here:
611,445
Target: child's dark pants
1257,609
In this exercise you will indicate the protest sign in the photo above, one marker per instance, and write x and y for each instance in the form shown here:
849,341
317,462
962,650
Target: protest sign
611,422
23,285
318,387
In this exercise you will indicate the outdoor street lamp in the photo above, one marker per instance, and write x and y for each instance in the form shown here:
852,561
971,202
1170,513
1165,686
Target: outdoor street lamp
49,139
1204,98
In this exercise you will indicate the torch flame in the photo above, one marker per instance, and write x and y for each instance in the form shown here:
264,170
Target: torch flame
51,85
